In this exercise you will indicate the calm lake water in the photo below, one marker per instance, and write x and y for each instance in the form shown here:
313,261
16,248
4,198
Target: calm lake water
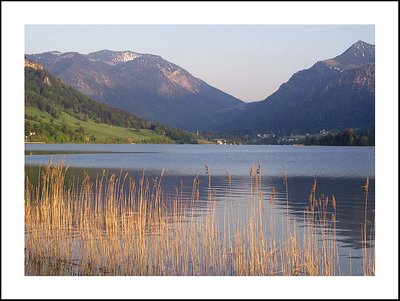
338,171
314,161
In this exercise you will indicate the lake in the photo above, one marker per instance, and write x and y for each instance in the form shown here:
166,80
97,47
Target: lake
286,174
276,160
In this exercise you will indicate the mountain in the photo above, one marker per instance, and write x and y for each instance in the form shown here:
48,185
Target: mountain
144,84
55,112
333,94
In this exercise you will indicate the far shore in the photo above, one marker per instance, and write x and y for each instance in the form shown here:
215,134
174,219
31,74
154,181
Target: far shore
202,143
34,142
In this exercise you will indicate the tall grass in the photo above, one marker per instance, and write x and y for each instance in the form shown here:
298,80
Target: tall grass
119,225
368,254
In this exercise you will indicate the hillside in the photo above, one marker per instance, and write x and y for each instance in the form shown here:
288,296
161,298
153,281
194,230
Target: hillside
333,94
145,85
55,112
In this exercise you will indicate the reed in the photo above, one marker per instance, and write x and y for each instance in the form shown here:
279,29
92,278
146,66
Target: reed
368,253
119,225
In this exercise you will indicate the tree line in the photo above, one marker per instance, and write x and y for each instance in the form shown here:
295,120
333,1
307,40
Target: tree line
348,137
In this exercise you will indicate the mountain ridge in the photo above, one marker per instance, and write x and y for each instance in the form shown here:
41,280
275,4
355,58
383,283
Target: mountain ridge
144,84
325,96
332,94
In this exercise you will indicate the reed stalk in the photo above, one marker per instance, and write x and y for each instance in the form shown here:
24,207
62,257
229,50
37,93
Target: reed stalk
118,225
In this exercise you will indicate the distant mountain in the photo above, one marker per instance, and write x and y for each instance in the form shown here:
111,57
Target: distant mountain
144,84
58,113
333,94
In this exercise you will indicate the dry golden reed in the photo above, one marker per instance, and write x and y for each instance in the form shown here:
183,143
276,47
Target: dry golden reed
119,225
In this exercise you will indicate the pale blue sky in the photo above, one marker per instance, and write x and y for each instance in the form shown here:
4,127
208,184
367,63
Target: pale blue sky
247,61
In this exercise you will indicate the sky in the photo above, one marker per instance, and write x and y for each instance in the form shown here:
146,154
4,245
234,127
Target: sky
249,62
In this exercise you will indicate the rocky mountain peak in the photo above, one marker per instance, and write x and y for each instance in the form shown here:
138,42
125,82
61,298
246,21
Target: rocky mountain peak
113,57
359,53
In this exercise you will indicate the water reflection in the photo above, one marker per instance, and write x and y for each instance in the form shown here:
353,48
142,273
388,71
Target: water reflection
338,171
235,193
276,160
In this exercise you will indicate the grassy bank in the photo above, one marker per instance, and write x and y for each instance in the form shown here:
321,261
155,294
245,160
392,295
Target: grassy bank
92,131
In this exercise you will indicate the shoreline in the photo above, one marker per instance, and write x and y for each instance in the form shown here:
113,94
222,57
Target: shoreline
296,145
37,142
